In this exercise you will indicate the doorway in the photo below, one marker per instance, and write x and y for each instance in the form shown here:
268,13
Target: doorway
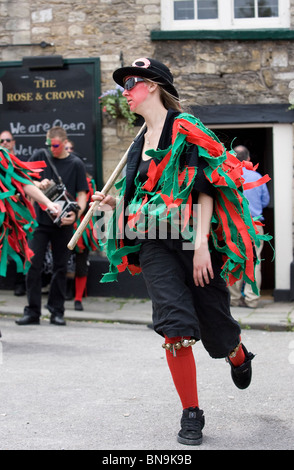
259,141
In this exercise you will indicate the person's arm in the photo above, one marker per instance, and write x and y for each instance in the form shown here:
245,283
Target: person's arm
82,202
265,197
202,267
35,193
43,184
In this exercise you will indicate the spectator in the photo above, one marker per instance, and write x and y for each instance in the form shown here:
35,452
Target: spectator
69,146
242,294
7,141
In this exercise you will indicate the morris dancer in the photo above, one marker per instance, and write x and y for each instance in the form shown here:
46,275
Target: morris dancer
86,243
173,165
17,214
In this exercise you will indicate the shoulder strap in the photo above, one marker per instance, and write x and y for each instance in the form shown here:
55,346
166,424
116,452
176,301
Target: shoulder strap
53,167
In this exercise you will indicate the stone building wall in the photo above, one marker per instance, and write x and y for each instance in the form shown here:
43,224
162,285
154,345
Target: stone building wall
205,72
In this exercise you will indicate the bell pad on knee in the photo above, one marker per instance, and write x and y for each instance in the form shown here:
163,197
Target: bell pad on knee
173,347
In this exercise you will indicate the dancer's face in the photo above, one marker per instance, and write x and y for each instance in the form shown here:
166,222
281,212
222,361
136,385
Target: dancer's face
137,94
56,146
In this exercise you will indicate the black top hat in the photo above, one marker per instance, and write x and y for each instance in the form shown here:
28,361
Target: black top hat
147,68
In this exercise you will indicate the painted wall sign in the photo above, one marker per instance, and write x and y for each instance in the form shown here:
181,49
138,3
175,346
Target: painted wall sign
34,100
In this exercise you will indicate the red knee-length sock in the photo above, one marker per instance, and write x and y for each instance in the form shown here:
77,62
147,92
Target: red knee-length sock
239,357
183,371
80,286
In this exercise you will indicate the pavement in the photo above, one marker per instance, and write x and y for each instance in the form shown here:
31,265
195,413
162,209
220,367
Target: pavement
269,315
102,383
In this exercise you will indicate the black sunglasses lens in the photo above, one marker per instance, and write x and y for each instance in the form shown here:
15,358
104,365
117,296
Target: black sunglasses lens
130,83
5,140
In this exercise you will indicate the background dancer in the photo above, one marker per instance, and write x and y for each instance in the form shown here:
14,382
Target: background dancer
71,170
17,215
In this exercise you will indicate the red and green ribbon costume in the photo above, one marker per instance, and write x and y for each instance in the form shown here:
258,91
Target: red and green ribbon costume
233,230
88,238
17,215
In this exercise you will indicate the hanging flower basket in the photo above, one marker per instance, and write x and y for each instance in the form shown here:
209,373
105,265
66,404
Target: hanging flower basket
115,106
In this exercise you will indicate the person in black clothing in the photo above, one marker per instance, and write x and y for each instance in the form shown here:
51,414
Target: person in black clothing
190,299
72,172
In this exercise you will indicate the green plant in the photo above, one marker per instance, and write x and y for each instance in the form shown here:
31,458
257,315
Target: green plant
115,105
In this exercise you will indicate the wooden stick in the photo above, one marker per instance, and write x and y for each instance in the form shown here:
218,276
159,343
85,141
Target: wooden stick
108,185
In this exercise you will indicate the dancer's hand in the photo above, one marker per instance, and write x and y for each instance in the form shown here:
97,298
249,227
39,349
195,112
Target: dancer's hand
108,202
202,267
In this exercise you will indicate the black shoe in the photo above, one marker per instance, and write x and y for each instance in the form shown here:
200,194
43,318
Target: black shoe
242,374
78,305
57,320
28,320
192,423
19,290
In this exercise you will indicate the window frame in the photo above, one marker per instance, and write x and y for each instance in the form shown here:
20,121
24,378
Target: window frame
225,21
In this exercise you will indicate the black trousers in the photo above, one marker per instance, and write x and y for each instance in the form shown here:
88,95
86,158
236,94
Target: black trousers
180,308
59,238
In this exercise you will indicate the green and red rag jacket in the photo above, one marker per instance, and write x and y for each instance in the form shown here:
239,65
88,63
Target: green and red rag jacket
233,230
17,214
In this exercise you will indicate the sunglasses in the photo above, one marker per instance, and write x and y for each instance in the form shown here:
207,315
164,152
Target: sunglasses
55,146
131,82
5,140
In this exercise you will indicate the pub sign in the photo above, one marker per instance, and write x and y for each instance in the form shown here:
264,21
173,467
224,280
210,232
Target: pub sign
40,93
